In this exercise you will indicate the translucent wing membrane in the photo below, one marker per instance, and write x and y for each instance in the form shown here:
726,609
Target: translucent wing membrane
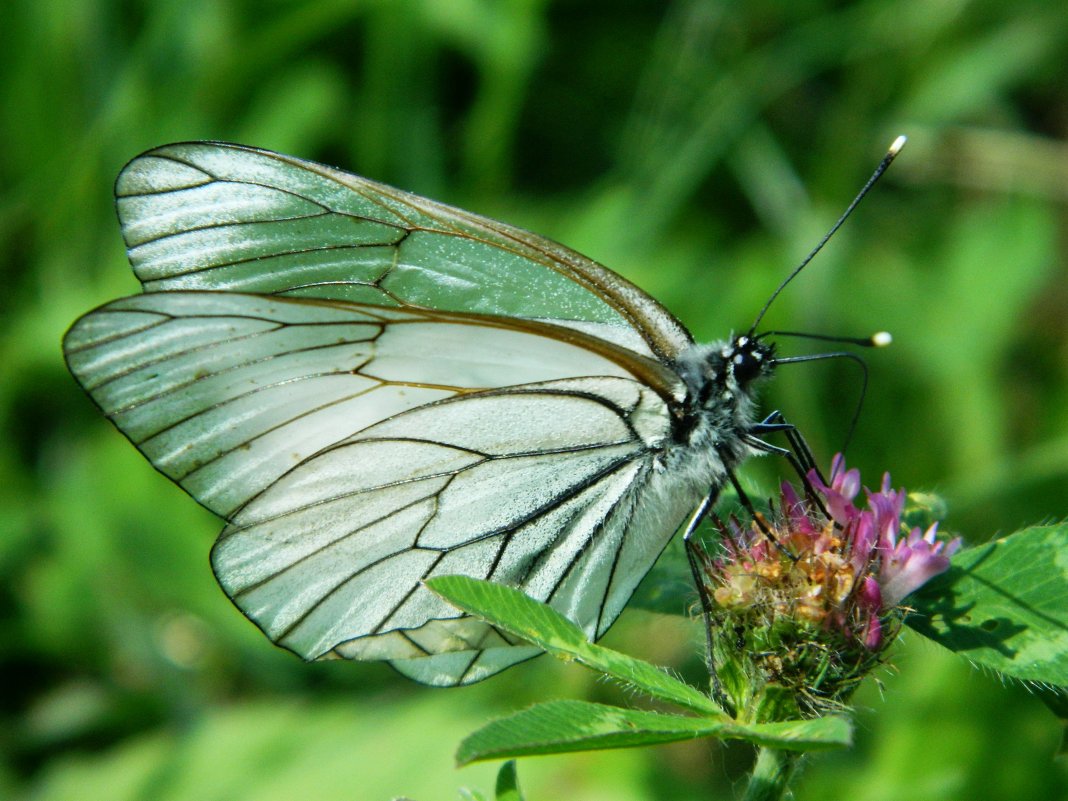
372,389
225,217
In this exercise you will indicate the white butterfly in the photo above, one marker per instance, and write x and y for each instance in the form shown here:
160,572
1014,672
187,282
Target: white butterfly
373,388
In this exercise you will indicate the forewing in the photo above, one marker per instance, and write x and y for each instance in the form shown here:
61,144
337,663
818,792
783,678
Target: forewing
536,486
213,216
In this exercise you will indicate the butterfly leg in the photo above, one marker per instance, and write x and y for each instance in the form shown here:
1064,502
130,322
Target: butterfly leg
801,459
798,444
755,516
696,555
798,454
776,422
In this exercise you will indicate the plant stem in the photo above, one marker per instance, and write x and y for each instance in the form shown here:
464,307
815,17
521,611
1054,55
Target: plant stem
771,775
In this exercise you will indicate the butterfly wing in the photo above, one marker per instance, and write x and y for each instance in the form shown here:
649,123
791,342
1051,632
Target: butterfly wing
358,447
216,216
534,486
355,451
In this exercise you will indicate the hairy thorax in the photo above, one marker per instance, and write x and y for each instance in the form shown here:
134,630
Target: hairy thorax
712,429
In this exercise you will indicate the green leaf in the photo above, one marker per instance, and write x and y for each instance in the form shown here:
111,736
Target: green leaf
1004,605
540,624
817,734
1056,700
558,727
667,588
508,783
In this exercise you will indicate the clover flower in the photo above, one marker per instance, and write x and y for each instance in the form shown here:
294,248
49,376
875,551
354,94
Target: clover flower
808,598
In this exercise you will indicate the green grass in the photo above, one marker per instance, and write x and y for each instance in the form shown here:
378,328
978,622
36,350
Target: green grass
699,150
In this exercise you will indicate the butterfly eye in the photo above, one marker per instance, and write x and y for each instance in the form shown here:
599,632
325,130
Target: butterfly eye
747,367
750,361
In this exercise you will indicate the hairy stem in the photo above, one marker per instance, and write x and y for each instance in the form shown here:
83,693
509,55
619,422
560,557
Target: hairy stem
771,775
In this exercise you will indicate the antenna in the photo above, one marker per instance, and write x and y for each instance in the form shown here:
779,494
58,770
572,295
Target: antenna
891,154
880,339
815,357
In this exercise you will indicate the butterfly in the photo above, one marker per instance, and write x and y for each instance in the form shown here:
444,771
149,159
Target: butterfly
373,388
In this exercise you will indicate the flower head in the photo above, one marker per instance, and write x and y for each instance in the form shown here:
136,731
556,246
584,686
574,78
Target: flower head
905,559
814,589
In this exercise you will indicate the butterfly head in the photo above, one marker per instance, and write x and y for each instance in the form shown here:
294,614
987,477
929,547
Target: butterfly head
720,378
720,373
744,360
720,407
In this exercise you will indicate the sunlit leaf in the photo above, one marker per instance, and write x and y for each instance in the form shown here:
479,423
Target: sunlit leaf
560,727
1004,605
543,626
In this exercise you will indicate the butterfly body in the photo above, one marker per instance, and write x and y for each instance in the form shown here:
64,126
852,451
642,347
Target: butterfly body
372,388
719,407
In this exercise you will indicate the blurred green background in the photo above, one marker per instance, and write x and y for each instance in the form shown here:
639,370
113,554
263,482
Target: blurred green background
698,147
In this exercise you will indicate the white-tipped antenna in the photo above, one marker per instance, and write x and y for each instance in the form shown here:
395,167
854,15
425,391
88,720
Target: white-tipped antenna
880,339
891,154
